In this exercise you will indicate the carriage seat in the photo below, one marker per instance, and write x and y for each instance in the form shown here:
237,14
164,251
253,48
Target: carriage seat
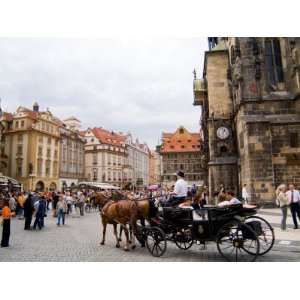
177,214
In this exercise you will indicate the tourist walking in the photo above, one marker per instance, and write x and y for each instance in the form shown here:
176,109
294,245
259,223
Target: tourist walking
81,203
6,216
28,211
55,199
283,202
69,201
245,194
12,202
20,203
294,201
61,208
40,213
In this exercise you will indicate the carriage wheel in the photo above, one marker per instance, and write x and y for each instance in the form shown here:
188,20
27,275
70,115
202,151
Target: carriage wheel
266,238
184,240
156,241
233,244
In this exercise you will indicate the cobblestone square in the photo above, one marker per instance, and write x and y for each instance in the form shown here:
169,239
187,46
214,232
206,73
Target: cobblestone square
79,240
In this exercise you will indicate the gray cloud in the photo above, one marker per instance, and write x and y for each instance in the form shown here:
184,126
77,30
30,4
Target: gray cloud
142,86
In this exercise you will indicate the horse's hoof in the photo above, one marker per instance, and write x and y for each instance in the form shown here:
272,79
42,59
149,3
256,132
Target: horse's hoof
126,249
117,246
133,246
130,242
120,240
102,243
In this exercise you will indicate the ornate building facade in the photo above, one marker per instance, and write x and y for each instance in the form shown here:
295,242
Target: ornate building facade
105,156
71,162
30,148
137,162
250,99
181,150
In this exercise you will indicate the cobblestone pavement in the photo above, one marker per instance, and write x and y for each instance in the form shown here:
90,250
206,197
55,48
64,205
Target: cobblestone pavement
79,240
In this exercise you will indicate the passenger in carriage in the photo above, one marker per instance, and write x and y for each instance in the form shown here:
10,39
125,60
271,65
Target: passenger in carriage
230,200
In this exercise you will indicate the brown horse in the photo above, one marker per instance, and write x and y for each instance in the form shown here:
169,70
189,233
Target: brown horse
120,212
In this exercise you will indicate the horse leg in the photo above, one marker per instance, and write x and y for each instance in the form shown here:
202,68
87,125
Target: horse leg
132,238
116,235
120,234
141,241
104,223
126,248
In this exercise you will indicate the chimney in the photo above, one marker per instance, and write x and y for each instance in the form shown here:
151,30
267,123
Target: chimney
35,107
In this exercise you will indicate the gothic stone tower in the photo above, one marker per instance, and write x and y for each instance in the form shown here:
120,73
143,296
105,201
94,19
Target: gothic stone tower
250,97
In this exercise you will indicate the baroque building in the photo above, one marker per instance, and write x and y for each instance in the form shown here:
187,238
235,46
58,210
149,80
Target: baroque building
30,148
181,150
105,156
250,100
71,162
154,167
137,163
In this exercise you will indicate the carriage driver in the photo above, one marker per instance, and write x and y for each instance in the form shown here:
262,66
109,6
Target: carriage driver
180,190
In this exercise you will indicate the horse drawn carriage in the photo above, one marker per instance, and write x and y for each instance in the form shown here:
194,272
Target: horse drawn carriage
240,235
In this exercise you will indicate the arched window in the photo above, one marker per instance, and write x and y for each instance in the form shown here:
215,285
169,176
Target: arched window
273,61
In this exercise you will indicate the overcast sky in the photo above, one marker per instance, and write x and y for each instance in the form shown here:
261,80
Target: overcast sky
141,86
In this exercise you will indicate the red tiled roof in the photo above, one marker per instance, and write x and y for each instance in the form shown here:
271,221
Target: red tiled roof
181,141
108,137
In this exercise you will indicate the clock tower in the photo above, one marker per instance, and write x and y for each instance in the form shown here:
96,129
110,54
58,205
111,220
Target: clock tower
214,95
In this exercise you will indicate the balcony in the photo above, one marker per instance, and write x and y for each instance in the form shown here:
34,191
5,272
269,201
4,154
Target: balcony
200,91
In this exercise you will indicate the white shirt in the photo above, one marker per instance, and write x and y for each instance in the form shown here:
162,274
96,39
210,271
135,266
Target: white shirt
296,196
245,194
230,202
181,188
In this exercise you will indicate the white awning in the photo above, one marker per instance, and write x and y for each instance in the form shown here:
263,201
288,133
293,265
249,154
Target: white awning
100,185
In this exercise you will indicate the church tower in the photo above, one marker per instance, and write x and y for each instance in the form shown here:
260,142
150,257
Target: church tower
250,98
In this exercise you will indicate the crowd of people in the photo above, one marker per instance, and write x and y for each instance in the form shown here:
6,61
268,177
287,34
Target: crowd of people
33,207
288,199
37,206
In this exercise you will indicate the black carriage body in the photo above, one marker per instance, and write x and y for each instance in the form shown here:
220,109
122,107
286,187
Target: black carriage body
203,224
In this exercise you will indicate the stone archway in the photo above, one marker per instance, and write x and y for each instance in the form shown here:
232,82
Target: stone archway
52,186
40,186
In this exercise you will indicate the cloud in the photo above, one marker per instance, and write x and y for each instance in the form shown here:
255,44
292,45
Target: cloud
142,86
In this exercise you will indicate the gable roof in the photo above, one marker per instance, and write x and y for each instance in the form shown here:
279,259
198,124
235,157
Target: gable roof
181,141
108,137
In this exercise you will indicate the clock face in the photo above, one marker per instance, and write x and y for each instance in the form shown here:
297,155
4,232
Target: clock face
223,133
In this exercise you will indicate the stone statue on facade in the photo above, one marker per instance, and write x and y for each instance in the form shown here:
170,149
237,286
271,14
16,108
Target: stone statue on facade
295,62
237,78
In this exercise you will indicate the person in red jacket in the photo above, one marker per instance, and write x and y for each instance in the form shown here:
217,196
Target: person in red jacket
6,215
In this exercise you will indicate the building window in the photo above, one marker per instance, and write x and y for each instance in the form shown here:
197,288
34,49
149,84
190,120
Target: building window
95,161
20,138
40,151
294,140
48,152
19,150
273,61
49,140
19,170
47,170
22,123
241,140
39,167
95,174
17,124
